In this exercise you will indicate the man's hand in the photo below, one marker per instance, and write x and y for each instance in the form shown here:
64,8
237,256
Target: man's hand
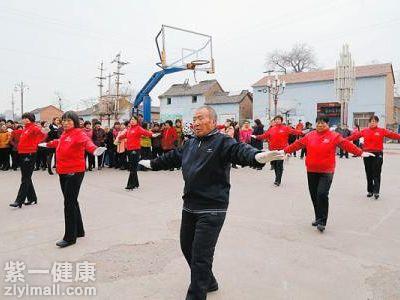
367,154
145,163
42,145
154,135
267,156
99,151
253,136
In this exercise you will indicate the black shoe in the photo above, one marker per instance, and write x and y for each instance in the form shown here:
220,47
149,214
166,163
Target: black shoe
315,223
212,287
129,188
376,196
90,169
36,169
369,195
31,202
99,168
63,244
16,204
79,235
50,171
277,183
234,166
321,227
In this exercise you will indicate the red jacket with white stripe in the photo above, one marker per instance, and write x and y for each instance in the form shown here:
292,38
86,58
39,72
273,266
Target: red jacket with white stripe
373,138
133,135
278,136
30,137
70,151
321,150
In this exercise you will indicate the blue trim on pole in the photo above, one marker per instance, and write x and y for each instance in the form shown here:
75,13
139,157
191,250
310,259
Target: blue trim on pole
143,95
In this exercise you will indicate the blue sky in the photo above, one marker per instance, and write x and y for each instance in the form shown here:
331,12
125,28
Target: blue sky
57,45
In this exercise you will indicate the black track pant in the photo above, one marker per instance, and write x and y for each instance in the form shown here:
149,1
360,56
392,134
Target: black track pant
319,185
373,169
278,167
26,189
133,159
199,236
70,186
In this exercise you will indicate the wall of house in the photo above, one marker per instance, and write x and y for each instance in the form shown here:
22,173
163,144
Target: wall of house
180,108
246,109
227,111
48,113
302,98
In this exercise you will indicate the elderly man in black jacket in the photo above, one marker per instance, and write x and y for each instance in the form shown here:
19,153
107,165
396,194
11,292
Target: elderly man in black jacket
205,161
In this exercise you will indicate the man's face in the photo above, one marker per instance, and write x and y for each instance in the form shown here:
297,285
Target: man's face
202,122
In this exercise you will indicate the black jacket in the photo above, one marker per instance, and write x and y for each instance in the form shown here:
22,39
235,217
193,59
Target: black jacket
257,130
205,166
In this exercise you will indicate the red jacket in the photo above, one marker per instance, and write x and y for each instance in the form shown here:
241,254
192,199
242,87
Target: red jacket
321,150
70,151
278,136
373,138
133,135
169,136
15,136
30,137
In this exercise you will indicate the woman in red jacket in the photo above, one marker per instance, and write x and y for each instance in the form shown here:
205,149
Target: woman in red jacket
169,139
70,165
133,135
321,146
29,139
278,138
373,142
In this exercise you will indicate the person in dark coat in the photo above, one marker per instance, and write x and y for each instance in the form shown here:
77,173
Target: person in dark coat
206,161
258,129
99,136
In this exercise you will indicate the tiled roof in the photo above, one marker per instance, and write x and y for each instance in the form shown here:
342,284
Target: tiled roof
38,110
226,98
188,90
326,75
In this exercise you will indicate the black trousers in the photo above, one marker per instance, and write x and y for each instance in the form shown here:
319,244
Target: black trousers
278,167
15,159
156,151
343,153
50,153
373,169
133,159
303,152
319,185
5,158
41,158
70,185
199,235
91,160
26,189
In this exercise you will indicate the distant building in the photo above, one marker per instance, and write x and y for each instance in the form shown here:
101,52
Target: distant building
181,100
311,94
47,113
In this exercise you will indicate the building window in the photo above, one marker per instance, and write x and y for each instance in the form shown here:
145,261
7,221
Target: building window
194,99
168,101
362,119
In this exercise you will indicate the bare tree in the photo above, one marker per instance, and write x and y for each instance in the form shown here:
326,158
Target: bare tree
300,58
88,102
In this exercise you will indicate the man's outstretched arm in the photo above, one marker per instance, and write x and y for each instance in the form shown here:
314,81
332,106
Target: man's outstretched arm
169,160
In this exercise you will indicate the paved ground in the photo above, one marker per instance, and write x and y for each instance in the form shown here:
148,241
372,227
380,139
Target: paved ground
267,248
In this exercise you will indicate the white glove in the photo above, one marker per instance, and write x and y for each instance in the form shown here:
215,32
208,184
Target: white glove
156,135
267,156
253,136
99,151
42,145
367,154
145,163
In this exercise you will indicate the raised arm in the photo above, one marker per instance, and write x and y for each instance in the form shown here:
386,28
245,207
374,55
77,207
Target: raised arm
297,145
392,135
354,136
169,160
264,136
348,146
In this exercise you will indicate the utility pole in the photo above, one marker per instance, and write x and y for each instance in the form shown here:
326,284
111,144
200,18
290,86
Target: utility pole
101,78
59,100
20,87
13,106
120,64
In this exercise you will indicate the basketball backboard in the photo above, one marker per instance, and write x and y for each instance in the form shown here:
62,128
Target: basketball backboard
183,48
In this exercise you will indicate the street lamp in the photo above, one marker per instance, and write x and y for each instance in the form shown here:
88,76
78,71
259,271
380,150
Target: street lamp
275,88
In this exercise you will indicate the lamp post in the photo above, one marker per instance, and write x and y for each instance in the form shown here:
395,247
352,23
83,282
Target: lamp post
275,88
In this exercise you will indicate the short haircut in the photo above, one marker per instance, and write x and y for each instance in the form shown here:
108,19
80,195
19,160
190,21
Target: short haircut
257,121
117,123
29,116
375,118
43,123
97,123
322,119
87,123
10,121
169,122
278,117
72,116
126,123
211,112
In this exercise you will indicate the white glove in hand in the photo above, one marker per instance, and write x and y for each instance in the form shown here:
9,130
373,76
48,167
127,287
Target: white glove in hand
42,145
145,163
367,154
267,156
99,151
156,135
253,136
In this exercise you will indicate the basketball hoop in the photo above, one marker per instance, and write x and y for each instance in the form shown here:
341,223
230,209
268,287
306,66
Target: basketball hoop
198,62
